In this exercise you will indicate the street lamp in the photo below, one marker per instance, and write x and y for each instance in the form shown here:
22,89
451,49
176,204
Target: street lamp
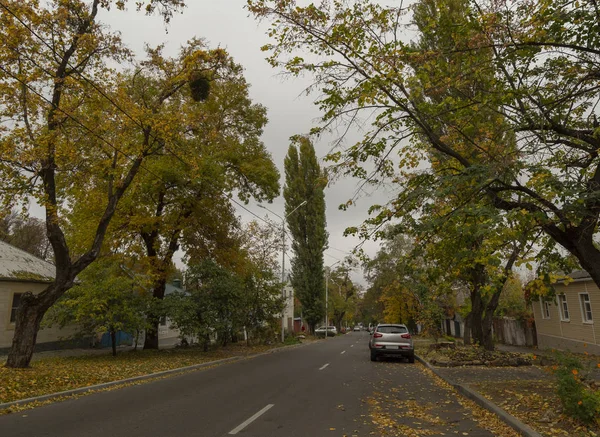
283,219
327,272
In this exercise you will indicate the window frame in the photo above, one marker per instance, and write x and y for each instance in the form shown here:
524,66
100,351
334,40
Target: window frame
545,309
563,307
582,303
12,310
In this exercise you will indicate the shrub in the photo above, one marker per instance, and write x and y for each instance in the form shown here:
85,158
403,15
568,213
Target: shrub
578,400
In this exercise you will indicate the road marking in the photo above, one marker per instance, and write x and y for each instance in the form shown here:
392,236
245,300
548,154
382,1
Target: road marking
351,345
250,420
343,352
321,368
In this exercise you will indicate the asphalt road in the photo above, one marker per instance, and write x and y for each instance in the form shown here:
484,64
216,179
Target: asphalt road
329,388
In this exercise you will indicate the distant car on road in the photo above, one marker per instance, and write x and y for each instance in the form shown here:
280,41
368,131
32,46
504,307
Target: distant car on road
331,331
391,340
356,328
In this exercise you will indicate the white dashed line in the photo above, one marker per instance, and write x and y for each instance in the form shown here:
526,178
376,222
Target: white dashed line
321,368
351,345
343,352
250,420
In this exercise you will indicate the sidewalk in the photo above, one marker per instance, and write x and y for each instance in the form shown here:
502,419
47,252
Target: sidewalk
544,353
525,393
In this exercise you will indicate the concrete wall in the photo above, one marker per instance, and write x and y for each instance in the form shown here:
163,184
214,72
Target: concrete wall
573,334
514,332
7,329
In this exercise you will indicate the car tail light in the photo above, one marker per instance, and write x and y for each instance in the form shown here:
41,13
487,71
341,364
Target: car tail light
405,336
377,335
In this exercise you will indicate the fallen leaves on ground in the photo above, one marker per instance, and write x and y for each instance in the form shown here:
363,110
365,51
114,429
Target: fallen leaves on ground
485,418
472,355
536,404
425,406
58,374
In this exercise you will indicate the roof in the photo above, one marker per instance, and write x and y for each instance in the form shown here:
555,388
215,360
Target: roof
170,288
18,265
580,274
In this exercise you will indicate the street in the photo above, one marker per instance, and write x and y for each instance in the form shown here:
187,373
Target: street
328,388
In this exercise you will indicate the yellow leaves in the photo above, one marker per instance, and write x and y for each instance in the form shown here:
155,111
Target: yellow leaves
57,374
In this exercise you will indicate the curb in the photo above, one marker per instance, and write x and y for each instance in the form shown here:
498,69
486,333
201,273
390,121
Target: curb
471,394
104,385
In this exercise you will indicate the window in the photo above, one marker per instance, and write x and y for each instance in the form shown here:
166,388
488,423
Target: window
586,308
392,329
15,304
545,307
563,307
163,321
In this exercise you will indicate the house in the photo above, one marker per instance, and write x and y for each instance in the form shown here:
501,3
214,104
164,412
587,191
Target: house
453,324
21,272
167,334
571,320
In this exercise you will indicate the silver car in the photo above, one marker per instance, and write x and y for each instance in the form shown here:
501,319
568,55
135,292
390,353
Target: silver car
330,330
391,340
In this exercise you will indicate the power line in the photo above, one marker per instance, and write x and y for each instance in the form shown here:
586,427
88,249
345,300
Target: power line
116,105
108,98
94,85
88,129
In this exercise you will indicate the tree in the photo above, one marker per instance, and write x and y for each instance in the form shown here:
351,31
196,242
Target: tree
212,303
26,233
304,181
224,300
551,170
183,200
67,111
108,298
342,295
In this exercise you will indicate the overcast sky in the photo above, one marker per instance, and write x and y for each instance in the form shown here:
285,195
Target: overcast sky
226,23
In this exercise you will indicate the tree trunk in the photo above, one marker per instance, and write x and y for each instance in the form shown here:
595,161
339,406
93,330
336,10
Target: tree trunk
113,342
206,342
476,316
28,320
488,319
467,333
151,337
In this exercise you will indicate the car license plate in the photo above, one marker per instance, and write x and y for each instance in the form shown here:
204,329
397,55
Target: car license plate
392,347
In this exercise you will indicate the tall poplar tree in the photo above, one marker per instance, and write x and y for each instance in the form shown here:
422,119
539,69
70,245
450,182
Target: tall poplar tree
304,180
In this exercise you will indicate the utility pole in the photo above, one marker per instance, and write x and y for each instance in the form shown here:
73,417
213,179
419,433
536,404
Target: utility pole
283,219
327,273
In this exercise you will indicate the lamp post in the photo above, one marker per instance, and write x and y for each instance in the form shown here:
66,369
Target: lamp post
327,272
283,260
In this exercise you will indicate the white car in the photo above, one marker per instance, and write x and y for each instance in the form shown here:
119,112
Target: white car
331,331
356,328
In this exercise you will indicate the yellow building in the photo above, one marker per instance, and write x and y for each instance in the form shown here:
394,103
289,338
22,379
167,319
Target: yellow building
571,321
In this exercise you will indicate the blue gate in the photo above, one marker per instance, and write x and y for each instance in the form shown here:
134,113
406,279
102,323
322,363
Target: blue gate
123,338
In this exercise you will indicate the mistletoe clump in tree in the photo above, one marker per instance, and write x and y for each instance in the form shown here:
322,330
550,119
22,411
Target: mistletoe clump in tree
57,89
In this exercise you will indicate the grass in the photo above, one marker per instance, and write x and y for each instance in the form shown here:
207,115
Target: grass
57,374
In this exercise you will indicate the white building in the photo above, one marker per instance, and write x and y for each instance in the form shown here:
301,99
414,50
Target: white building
288,310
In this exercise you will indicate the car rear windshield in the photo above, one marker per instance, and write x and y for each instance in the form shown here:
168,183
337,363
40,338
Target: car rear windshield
392,329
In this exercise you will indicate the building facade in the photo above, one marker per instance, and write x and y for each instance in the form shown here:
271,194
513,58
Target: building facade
571,320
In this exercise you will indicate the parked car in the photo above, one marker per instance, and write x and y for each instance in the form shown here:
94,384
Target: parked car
331,331
391,340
